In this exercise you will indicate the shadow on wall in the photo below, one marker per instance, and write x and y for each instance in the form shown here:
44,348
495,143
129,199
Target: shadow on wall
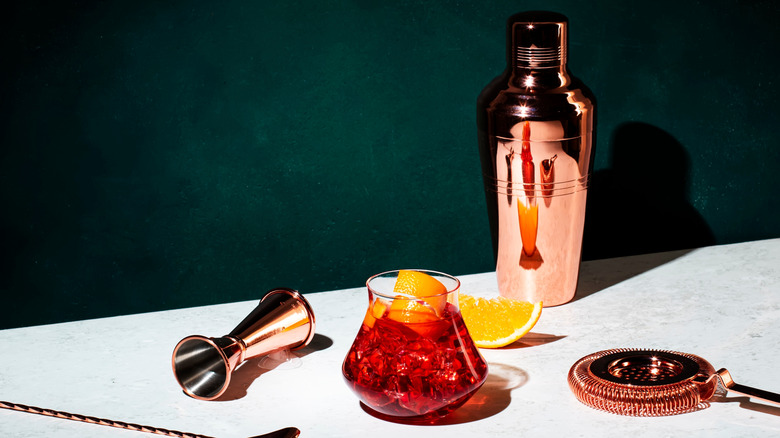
640,204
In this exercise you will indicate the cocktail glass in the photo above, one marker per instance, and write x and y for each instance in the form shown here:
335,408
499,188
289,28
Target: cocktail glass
413,358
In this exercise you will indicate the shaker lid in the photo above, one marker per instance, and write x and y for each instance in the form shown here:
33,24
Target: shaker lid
538,39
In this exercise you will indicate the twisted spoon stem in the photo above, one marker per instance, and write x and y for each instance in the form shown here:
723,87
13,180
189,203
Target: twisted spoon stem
95,420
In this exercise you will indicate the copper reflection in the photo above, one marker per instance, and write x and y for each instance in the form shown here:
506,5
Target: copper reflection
547,170
540,230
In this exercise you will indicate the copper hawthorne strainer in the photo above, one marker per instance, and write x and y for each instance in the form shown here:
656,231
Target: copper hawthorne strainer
650,383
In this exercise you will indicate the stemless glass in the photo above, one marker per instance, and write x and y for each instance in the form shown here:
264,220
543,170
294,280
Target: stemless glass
413,358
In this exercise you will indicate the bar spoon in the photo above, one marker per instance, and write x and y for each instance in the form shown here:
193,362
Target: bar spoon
287,432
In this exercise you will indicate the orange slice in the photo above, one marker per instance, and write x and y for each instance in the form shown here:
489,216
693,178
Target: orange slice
418,284
417,315
421,285
410,311
497,322
375,311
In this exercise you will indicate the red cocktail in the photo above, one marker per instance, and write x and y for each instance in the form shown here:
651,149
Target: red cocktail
413,357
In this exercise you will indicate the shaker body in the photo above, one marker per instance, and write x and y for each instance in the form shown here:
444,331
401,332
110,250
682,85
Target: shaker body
536,133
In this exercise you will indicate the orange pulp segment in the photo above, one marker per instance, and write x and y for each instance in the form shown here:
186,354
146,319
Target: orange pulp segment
497,322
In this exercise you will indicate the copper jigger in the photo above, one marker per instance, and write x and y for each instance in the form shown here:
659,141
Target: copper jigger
283,320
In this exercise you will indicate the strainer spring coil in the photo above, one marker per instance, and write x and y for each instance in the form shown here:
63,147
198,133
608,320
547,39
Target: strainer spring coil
643,383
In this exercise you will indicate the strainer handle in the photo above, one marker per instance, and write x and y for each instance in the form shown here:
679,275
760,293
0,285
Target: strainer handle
728,382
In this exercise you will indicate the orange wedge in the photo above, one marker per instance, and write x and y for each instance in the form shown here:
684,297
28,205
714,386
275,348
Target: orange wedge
410,311
421,285
418,284
375,311
497,322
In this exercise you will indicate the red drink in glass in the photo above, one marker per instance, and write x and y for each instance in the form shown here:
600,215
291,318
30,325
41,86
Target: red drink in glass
419,368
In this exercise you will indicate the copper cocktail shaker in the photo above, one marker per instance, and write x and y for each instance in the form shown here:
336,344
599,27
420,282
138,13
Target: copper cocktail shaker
536,139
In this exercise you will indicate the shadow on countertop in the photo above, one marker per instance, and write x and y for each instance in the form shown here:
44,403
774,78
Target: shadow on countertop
599,275
249,371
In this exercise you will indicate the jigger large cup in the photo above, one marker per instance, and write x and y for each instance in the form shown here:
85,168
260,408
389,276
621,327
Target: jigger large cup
203,366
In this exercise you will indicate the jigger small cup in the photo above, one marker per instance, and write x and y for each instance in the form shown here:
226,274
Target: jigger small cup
203,365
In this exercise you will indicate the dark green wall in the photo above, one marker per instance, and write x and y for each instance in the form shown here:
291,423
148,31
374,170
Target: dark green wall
169,154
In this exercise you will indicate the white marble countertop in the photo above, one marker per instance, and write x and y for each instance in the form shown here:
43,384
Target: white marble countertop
721,303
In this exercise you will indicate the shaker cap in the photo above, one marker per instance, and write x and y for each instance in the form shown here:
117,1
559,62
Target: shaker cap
538,39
